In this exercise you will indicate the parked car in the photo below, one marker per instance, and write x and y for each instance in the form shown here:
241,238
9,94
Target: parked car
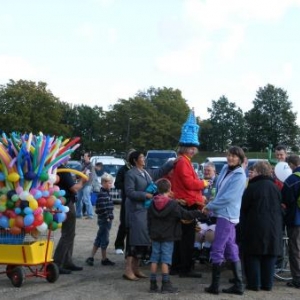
197,169
111,165
74,164
156,158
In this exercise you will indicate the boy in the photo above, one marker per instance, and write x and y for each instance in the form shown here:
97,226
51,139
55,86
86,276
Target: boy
164,215
104,210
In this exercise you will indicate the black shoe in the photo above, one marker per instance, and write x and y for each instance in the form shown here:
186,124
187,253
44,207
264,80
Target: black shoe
64,271
73,268
90,261
107,262
190,274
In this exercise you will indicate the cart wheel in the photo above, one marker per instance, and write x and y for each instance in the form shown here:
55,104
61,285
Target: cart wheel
17,276
9,269
52,272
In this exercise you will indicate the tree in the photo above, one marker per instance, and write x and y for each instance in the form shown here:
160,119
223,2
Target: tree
150,120
30,107
225,127
271,119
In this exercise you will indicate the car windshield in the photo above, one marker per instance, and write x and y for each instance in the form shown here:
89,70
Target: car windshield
111,169
157,159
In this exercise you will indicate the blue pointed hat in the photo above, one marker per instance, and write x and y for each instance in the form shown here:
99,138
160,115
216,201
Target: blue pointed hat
189,132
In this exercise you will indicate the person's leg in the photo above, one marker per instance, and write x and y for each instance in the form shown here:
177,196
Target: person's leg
79,204
97,244
267,272
166,258
121,234
86,199
104,241
294,255
154,259
253,272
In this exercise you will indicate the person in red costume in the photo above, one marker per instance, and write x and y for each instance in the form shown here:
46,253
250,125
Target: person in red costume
187,189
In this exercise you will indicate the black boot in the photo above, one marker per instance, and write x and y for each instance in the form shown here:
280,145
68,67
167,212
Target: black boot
238,287
167,287
214,287
153,286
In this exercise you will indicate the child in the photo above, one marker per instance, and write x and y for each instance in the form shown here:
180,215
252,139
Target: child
164,215
104,210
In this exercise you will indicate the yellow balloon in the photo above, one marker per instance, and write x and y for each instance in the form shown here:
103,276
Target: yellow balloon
13,177
73,171
33,204
11,222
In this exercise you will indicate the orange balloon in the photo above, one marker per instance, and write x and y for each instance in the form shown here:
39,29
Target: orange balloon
15,230
50,201
19,222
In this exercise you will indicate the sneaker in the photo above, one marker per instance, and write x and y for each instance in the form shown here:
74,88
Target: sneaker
119,251
90,261
107,262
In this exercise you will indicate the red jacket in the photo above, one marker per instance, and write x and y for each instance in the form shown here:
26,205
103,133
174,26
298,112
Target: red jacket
185,183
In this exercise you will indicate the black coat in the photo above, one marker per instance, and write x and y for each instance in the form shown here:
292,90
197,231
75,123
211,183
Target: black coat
165,225
261,218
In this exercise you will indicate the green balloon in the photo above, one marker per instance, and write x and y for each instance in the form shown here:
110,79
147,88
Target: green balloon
44,176
48,217
53,226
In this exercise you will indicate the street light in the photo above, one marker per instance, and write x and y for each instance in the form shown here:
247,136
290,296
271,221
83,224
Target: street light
128,133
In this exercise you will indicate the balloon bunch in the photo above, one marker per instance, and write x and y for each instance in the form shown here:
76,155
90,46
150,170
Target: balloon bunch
29,198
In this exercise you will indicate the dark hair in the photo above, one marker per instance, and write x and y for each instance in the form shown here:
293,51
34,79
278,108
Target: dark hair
133,157
163,185
293,159
99,164
238,151
280,147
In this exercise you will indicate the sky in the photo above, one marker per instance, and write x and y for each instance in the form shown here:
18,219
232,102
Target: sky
95,52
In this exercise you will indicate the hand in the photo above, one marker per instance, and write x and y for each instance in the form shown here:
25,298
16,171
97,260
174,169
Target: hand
205,211
149,196
181,201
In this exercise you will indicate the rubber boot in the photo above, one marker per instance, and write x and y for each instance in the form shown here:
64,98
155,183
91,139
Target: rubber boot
167,287
238,287
153,286
214,287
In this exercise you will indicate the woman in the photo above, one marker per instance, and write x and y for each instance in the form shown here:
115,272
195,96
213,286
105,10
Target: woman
261,226
187,188
226,208
138,242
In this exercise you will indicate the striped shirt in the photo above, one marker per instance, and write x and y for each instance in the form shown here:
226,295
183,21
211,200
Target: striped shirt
104,205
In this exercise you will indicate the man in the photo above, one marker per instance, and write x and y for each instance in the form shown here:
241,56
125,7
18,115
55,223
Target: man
280,153
290,193
84,194
64,250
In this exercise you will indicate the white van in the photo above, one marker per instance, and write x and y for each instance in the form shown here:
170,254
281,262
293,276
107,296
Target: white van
111,165
219,162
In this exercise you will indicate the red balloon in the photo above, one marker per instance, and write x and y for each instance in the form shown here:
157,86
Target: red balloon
38,220
29,228
42,202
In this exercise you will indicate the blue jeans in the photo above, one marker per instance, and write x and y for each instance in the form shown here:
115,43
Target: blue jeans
84,196
162,252
102,238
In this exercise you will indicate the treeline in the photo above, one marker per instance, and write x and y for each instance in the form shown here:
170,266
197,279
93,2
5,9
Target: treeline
149,120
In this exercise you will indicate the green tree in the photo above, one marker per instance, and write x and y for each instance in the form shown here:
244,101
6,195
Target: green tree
29,107
226,126
150,120
271,119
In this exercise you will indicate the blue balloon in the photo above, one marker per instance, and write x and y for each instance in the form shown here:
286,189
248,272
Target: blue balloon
28,219
4,222
38,195
28,211
18,210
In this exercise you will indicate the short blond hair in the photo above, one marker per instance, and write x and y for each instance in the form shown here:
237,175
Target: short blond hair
106,177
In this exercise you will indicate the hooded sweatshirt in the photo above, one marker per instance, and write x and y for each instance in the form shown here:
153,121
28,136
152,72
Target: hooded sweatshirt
164,215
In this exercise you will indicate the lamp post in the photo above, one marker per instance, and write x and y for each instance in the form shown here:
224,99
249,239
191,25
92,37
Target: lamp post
128,133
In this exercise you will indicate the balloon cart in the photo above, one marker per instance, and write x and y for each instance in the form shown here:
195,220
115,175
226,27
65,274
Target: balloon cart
32,205
28,255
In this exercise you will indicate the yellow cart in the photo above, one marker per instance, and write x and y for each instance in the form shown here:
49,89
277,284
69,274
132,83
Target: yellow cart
27,252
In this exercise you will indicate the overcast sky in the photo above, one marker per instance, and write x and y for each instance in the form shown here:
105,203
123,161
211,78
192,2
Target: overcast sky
97,51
